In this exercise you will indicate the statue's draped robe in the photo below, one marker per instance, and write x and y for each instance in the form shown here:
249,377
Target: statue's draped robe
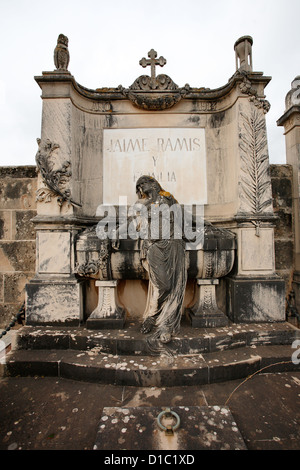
163,256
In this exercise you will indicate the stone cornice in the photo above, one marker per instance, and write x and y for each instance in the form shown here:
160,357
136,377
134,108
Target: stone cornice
159,98
288,114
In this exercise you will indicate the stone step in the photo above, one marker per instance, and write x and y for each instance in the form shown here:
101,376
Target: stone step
145,371
130,341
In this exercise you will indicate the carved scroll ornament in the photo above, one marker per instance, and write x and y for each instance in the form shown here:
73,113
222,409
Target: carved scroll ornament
152,103
88,269
246,87
97,258
163,95
161,82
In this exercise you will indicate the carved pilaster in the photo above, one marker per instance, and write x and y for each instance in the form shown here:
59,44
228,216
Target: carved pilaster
254,291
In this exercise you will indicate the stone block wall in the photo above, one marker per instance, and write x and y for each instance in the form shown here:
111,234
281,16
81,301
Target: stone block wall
282,193
17,237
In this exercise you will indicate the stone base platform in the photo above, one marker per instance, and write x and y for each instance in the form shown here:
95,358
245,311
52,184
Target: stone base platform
127,357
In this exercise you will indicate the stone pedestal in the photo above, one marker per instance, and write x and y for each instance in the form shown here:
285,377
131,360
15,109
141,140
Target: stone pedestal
205,312
291,123
255,300
54,295
108,314
54,302
254,291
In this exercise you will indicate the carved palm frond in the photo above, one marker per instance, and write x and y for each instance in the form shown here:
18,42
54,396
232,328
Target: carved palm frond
255,180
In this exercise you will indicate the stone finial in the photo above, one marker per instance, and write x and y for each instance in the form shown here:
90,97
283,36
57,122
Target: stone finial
293,96
61,53
243,53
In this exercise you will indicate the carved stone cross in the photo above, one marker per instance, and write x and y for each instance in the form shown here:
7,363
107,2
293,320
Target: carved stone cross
153,61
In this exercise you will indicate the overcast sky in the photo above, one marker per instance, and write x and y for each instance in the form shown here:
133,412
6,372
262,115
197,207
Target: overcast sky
108,38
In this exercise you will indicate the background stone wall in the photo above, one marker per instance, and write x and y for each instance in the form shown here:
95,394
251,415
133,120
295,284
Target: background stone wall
17,236
282,193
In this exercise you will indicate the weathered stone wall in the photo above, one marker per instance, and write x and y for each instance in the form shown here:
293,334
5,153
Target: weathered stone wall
282,193
17,234
17,237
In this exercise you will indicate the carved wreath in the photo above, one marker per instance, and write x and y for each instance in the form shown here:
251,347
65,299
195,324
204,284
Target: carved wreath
55,180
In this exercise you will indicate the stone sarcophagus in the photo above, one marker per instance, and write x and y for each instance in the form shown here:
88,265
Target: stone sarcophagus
96,259
206,263
207,147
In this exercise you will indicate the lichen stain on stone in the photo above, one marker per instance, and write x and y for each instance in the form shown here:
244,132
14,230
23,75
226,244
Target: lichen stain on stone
216,120
110,120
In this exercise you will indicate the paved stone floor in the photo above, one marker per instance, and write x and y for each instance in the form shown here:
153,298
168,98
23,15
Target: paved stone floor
58,414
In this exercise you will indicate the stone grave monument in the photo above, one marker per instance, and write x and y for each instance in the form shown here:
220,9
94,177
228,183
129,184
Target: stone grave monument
208,148
155,261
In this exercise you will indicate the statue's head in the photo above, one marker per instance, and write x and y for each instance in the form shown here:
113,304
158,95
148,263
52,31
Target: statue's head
62,39
147,187
145,184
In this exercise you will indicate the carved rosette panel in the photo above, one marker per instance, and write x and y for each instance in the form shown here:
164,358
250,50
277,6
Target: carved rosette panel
255,182
56,179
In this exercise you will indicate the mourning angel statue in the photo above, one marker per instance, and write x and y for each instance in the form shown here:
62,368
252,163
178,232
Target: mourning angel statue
158,218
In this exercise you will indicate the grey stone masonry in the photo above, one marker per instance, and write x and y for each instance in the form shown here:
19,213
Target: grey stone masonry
282,181
17,237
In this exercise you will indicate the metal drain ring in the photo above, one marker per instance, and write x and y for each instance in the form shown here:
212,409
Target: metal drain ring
167,412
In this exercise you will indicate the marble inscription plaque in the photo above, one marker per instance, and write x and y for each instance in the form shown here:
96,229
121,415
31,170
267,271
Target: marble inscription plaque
176,158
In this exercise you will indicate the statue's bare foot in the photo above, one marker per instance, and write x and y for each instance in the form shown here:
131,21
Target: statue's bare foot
147,325
165,337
